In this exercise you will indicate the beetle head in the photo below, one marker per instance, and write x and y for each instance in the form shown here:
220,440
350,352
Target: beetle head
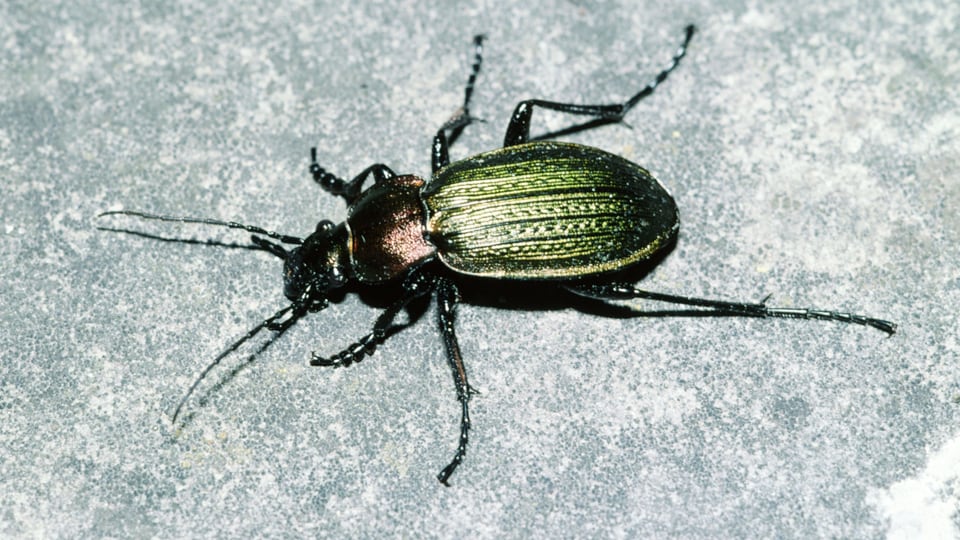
319,265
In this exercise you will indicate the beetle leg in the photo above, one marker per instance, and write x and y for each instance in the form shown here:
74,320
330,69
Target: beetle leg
439,151
363,346
615,291
447,298
462,118
518,131
474,71
348,190
417,285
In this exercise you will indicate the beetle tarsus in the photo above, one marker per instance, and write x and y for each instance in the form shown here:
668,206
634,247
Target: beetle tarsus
364,346
824,315
351,190
474,71
447,471
328,181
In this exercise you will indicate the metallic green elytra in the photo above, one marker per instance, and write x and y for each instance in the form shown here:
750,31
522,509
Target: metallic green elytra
546,210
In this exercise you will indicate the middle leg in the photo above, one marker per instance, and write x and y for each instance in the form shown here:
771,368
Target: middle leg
338,186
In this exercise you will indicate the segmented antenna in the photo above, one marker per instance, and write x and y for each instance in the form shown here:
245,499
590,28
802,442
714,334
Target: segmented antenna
286,239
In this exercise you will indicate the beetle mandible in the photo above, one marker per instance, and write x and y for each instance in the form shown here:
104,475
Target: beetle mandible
534,210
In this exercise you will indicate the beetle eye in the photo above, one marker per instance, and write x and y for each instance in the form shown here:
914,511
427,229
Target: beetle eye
324,226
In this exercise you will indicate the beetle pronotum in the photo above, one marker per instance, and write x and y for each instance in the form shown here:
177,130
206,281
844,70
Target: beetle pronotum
534,210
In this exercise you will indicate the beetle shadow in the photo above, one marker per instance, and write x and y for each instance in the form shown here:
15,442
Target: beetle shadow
533,296
551,296
186,419
378,296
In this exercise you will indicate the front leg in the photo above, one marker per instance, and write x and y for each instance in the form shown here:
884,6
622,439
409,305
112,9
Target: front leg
417,285
338,186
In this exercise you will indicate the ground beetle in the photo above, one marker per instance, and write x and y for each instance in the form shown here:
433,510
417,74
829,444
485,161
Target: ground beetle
534,210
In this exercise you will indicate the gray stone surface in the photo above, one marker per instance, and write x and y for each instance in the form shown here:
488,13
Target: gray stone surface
813,152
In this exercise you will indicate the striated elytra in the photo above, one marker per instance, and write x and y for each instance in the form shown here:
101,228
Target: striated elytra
546,211
534,210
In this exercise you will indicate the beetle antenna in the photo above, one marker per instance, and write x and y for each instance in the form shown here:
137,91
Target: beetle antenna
270,247
270,323
286,239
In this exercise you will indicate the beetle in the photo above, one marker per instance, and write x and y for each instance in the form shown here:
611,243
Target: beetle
534,210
